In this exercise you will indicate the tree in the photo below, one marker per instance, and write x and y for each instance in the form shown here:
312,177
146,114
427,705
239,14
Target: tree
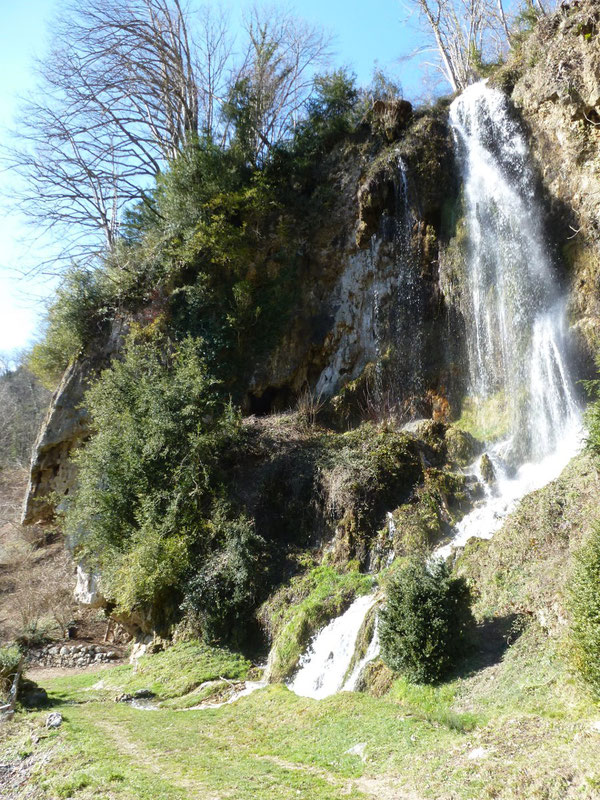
274,81
424,622
23,401
129,85
466,33
118,98
459,29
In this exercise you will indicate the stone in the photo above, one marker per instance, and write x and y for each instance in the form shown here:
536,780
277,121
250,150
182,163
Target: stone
54,720
87,590
461,447
143,694
486,467
391,116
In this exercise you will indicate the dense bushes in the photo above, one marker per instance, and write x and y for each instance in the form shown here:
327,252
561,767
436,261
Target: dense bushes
149,476
424,622
80,312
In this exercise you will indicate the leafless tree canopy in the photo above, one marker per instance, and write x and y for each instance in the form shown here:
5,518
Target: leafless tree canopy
276,74
466,32
127,85
23,403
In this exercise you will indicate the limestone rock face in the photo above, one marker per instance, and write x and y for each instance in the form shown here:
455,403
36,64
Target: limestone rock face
370,286
368,299
558,96
392,116
66,426
87,590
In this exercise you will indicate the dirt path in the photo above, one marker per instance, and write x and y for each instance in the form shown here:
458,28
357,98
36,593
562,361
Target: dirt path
146,760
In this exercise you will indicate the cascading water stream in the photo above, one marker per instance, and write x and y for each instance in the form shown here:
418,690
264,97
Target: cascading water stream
514,313
516,344
324,665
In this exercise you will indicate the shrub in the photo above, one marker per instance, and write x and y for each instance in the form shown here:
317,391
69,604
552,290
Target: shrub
585,610
223,594
425,620
78,314
150,474
10,658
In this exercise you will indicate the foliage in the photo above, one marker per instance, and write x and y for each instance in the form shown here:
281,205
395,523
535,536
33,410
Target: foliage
10,658
585,585
222,595
150,473
585,608
424,622
78,314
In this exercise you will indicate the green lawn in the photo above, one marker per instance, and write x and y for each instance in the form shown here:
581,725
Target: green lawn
519,728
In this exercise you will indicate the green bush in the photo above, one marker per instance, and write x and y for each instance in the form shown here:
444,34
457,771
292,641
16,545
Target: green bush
585,610
10,658
425,620
78,314
149,475
225,591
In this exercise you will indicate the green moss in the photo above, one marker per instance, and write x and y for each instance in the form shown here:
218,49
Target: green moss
300,609
462,448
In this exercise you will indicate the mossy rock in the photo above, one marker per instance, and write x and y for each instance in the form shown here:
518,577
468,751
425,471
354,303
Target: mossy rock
376,679
461,447
488,472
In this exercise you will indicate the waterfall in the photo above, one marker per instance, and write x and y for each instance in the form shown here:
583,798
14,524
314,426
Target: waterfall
515,316
516,343
324,665
513,310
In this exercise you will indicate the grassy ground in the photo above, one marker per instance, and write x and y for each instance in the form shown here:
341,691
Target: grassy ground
510,725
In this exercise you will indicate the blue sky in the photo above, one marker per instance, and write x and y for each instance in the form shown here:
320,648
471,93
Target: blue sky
365,34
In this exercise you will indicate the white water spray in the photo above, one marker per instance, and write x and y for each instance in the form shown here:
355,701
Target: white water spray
324,665
515,317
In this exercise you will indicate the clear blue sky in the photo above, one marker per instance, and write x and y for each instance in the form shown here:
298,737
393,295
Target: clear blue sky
365,33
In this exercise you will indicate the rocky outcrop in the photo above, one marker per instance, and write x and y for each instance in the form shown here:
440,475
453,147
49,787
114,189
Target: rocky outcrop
53,473
556,90
65,427
379,243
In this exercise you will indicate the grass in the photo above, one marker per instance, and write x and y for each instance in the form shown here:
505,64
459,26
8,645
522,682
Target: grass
519,727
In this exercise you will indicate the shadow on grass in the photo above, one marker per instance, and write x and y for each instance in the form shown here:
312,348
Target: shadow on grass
489,641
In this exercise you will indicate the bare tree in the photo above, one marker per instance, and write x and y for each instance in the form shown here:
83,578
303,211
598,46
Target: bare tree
464,33
23,402
275,78
128,85
117,99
